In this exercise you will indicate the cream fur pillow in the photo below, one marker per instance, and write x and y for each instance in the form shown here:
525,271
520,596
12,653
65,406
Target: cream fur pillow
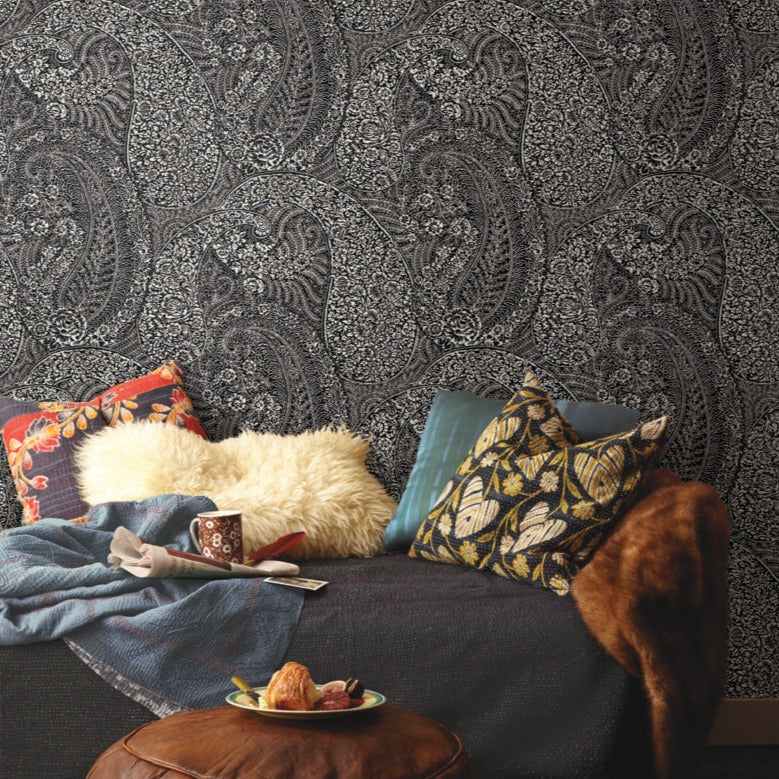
315,481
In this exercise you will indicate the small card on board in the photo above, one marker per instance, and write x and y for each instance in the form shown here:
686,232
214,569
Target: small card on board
297,581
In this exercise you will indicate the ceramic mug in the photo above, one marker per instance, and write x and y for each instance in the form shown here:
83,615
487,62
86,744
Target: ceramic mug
218,535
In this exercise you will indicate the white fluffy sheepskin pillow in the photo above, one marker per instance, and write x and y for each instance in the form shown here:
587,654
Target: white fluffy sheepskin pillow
315,481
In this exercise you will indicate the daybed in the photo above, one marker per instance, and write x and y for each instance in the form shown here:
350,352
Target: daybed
328,211
619,678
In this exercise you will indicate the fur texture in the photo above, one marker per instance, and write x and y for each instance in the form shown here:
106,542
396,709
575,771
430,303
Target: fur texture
315,481
655,596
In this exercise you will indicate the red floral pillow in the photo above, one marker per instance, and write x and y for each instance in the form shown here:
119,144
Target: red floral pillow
158,396
41,438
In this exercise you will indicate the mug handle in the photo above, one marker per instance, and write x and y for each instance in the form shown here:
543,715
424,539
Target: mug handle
193,525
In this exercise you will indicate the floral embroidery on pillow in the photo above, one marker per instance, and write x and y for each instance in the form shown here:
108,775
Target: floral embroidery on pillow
39,446
158,396
527,509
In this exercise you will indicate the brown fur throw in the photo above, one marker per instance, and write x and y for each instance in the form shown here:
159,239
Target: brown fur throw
655,596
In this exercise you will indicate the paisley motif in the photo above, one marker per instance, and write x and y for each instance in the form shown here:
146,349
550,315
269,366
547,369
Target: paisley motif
173,319
12,54
565,146
748,316
651,356
278,80
369,149
671,251
475,239
254,363
369,290
171,149
673,74
757,135
628,296
90,85
677,369
77,235
566,322
263,368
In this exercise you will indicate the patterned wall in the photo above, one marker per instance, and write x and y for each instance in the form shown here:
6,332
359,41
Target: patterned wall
327,209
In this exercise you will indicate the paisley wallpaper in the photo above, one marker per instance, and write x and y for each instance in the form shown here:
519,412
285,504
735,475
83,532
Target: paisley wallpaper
328,209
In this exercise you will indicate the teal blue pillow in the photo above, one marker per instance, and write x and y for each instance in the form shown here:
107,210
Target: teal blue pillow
454,424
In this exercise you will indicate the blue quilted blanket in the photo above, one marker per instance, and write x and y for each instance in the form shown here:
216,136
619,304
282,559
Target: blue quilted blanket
170,644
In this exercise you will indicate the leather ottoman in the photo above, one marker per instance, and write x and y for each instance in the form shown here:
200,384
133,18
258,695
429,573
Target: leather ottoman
226,742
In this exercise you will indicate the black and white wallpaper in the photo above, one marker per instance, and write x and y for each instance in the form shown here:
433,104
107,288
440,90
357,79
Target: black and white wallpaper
328,209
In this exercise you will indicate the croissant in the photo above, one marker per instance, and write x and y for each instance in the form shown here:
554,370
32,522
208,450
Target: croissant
292,688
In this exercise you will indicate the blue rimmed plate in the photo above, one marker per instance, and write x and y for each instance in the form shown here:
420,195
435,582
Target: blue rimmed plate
370,698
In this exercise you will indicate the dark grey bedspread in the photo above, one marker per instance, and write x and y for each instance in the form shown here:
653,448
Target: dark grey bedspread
510,668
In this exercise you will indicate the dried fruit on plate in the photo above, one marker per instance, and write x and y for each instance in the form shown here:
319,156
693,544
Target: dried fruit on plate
354,687
338,685
340,694
335,700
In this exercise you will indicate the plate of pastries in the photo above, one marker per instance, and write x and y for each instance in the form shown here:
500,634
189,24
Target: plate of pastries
292,693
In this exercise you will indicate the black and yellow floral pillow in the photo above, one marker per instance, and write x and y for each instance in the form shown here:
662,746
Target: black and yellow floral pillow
532,513
529,422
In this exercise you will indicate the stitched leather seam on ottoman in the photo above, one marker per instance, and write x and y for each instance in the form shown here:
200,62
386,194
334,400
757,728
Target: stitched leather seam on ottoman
225,742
